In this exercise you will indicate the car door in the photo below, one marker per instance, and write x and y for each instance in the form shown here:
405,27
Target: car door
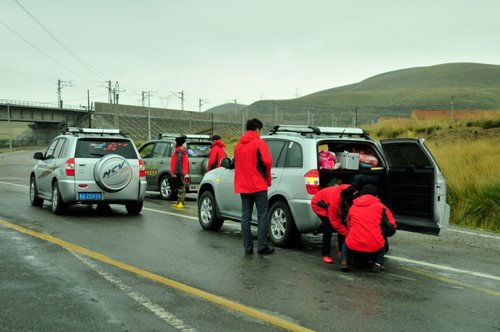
154,156
415,186
45,169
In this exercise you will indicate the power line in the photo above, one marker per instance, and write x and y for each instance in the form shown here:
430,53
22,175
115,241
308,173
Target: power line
39,50
60,43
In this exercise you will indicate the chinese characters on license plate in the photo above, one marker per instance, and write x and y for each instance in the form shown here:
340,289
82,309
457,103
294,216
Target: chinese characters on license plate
90,196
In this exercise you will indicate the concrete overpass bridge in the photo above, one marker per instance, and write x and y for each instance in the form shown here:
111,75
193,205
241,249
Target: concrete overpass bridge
46,120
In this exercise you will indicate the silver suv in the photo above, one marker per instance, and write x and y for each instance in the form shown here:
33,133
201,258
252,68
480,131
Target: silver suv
89,166
409,181
157,155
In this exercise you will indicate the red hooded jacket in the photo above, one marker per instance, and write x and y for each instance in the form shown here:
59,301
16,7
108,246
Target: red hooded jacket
253,164
363,224
326,202
179,162
217,153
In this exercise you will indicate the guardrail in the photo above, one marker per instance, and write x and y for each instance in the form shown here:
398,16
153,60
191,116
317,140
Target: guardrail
39,104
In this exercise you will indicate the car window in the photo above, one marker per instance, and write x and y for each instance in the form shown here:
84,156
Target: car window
159,150
276,148
198,149
59,147
92,148
49,154
294,155
403,155
147,150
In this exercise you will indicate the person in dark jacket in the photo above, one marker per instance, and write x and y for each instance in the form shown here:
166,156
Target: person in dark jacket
252,177
217,152
364,240
328,205
179,167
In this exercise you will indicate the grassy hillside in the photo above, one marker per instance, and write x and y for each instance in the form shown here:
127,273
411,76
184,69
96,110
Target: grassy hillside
226,108
468,85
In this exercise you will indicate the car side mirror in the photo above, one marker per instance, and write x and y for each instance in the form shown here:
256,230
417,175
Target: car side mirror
38,156
226,163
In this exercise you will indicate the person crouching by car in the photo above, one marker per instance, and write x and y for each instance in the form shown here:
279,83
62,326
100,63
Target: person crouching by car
365,241
217,152
327,204
179,167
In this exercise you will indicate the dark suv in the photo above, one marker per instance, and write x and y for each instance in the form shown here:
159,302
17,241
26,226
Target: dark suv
89,166
157,155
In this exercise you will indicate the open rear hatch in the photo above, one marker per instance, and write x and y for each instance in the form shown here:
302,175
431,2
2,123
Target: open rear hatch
415,187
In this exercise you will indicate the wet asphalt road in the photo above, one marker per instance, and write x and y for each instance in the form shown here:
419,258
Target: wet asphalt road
161,272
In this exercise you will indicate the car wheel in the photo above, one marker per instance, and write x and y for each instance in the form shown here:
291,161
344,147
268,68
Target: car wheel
207,212
34,199
282,229
134,208
204,166
166,191
58,206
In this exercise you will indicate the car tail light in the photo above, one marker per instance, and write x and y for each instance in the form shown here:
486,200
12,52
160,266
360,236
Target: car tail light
187,179
311,179
142,169
70,167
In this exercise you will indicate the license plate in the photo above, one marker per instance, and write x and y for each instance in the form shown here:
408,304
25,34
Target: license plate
90,196
194,187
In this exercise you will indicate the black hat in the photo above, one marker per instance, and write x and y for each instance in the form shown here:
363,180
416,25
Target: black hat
180,140
216,137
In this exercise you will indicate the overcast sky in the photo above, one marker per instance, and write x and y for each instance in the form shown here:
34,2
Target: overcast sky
225,50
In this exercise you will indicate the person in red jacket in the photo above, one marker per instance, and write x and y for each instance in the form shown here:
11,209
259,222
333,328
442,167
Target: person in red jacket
252,177
364,240
217,152
328,205
179,167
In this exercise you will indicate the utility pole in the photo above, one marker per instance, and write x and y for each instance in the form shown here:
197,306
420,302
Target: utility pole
180,95
356,117
143,98
200,103
149,115
110,94
88,109
60,85
117,92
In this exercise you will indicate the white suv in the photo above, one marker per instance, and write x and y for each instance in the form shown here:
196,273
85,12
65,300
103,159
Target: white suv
89,166
407,176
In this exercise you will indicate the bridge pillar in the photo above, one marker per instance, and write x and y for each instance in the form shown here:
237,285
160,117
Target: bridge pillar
42,133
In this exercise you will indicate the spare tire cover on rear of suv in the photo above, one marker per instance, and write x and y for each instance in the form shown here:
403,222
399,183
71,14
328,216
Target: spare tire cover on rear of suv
112,173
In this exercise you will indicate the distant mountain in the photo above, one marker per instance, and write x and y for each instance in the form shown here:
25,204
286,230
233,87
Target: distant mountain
226,108
466,85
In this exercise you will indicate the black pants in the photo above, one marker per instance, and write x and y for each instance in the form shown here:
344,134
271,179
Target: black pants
327,237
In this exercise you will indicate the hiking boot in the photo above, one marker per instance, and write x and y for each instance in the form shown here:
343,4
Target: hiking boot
327,259
344,266
378,268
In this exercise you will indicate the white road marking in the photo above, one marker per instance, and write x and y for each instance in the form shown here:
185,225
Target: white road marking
472,233
13,184
163,314
443,267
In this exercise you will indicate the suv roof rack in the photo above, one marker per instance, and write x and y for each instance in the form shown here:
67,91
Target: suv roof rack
189,136
96,131
303,130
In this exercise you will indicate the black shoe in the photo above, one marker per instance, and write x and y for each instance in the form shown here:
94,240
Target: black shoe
267,251
249,252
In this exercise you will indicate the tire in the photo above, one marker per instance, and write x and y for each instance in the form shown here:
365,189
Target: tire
134,208
204,166
112,173
166,191
34,199
207,212
282,229
58,206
